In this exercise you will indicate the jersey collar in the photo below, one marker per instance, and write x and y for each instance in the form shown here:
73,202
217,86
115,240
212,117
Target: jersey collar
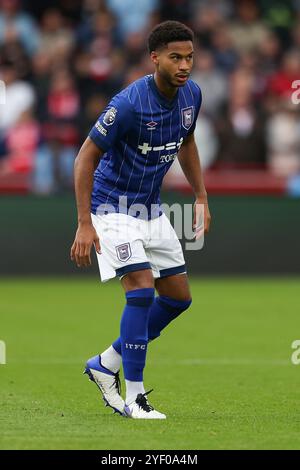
163,100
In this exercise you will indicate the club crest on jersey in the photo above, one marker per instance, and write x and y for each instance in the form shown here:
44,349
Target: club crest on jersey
110,116
187,116
123,252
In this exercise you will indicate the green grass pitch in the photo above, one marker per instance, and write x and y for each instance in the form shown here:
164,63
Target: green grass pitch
222,372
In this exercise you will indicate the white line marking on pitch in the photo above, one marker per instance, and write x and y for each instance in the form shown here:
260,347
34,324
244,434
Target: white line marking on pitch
164,362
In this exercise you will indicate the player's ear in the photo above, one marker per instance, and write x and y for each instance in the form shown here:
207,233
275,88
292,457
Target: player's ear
154,57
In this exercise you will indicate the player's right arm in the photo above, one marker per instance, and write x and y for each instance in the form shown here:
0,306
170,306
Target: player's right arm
86,162
111,126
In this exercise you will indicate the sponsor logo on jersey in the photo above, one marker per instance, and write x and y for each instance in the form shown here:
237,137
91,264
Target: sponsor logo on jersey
145,148
110,116
168,158
187,117
101,129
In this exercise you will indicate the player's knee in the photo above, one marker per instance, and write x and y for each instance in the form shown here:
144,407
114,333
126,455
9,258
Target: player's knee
138,280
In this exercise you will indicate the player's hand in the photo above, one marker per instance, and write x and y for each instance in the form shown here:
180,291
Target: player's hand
201,212
86,236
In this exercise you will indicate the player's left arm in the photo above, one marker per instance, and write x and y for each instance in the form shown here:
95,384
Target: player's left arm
190,163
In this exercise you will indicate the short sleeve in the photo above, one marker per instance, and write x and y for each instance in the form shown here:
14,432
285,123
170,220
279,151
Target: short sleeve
198,102
113,123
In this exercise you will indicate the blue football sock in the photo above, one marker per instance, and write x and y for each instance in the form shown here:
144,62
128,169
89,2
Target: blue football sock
117,346
134,333
162,311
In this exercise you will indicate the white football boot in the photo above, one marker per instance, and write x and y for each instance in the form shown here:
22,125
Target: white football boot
107,382
141,409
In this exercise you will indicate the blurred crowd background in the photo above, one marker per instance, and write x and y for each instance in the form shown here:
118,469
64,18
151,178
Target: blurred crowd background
62,61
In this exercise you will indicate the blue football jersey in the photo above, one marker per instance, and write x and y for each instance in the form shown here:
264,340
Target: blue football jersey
141,132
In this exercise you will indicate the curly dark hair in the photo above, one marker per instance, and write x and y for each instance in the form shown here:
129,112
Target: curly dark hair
168,31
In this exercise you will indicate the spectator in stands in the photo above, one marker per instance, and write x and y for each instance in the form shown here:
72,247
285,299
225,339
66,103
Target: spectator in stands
296,34
206,20
269,51
98,62
241,128
132,15
41,74
225,55
91,108
207,143
57,40
283,138
279,16
13,51
209,78
280,83
55,158
101,23
21,143
20,97
136,48
15,23
247,29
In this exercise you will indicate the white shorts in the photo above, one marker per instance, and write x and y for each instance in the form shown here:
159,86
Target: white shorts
129,244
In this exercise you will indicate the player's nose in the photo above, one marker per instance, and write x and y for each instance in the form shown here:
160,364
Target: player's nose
184,66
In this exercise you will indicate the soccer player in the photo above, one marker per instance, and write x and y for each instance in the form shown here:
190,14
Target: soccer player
135,139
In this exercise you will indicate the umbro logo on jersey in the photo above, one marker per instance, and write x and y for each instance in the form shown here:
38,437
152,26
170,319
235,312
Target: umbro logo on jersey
145,148
151,125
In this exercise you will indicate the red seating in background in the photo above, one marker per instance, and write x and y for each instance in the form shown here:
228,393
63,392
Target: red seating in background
15,183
